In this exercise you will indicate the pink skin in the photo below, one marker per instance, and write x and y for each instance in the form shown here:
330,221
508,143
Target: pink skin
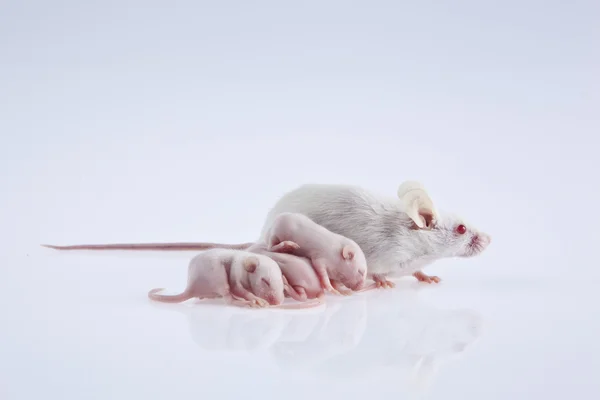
177,246
336,260
300,279
423,277
385,283
244,280
381,281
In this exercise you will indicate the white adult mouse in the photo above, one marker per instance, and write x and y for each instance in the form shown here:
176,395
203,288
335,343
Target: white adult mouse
398,235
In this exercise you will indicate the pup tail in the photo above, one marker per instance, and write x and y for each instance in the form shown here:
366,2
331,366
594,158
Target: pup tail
372,286
181,246
165,298
296,306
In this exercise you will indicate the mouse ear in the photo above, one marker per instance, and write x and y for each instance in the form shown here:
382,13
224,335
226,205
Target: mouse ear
417,203
250,264
347,252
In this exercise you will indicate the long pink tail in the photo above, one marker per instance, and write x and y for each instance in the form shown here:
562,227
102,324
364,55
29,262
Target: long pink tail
152,246
295,306
368,287
165,298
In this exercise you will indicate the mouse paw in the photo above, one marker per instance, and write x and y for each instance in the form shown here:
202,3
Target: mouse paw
422,277
340,288
295,292
239,302
260,302
381,282
301,292
326,285
287,246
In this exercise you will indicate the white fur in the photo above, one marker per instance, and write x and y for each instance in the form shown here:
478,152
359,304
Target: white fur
379,225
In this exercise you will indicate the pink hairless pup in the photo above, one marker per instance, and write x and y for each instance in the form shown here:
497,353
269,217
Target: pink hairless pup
242,278
298,273
336,259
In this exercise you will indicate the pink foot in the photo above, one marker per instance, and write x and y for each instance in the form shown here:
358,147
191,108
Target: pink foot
241,296
321,270
287,246
234,301
301,292
340,288
326,284
422,277
381,282
296,292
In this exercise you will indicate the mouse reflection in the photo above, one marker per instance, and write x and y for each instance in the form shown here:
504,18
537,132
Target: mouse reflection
404,337
371,335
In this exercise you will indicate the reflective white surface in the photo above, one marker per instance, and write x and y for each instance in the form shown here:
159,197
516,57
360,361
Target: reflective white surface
75,331
142,121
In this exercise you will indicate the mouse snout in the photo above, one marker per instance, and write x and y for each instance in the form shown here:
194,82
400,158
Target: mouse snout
356,281
481,240
273,298
359,283
478,243
485,239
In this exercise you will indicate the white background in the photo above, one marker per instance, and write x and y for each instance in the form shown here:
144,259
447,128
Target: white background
137,121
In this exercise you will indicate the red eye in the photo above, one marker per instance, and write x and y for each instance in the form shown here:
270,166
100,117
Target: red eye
461,229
